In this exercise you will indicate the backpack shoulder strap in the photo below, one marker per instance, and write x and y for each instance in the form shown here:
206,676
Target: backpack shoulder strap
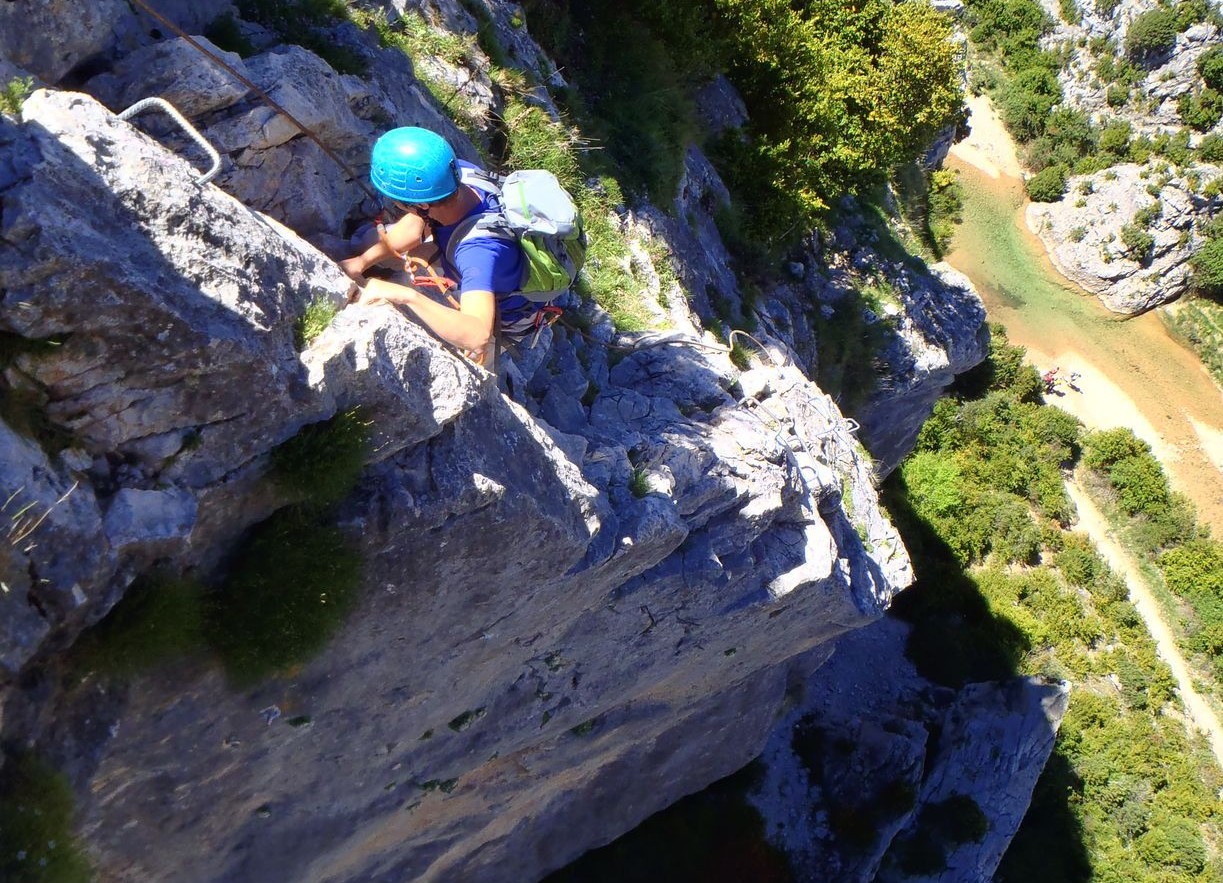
480,180
489,224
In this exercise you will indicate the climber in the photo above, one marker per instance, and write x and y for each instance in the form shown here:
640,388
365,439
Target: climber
418,173
1049,378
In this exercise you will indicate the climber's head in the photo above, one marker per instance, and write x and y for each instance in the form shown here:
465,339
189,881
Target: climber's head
413,166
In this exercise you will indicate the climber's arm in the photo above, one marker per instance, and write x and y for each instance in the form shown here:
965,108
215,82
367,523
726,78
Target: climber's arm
470,327
404,236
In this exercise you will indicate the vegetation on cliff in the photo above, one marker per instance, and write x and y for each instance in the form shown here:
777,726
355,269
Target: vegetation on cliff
840,94
1004,587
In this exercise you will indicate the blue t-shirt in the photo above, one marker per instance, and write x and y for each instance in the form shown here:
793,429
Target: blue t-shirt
486,263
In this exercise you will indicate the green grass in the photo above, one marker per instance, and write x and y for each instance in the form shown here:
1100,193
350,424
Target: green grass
323,462
290,589
317,316
416,39
37,844
158,619
15,92
1199,323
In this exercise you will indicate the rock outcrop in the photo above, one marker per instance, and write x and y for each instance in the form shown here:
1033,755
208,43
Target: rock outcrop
579,602
1127,233
872,757
1134,270
511,594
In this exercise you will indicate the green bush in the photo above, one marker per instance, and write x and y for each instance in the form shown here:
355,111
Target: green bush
1207,264
1028,99
1104,448
323,462
1151,34
1138,243
1173,843
1201,110
1048,185
36,814
1210,67
1140,484
1115,138
1117,95
1211,148
14,94
158,618
957,819
225,33
1107,7
290,588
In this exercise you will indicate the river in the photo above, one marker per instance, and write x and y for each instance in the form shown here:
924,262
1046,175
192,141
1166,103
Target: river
1133,373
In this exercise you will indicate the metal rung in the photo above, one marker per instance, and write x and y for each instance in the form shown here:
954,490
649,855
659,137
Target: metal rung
172,112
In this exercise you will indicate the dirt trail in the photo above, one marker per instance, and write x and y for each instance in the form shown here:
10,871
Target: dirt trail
1092,521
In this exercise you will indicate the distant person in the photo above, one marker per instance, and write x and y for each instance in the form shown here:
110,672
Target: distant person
1049,378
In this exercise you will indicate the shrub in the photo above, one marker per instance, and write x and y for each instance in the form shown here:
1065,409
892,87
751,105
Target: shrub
1207,264
323,462
1117,95
1115,138
1174,843
158,618
14,94
1027,101
1140,484
289,590
1210,68
1106,7
225,33
1211,148
36,810
956,820
1048,185
1138,243
1151,34
1106,447
1201,110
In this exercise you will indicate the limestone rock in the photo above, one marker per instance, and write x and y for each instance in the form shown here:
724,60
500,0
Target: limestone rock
176,71
1085,232
147,277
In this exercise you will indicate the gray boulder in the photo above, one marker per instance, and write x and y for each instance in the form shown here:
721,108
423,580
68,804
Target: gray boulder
1085,232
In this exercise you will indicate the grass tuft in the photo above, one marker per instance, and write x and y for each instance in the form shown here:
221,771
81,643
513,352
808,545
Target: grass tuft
323,462
158,619
14,94
290,589
317,316
36,814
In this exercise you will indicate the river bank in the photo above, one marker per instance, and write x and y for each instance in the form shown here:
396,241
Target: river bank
1132,372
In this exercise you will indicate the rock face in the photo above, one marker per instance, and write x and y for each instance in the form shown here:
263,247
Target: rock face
531,629
589,587
873,751
1083,232
1127,233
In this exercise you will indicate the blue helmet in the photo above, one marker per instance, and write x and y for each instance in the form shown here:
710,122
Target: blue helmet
413,165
